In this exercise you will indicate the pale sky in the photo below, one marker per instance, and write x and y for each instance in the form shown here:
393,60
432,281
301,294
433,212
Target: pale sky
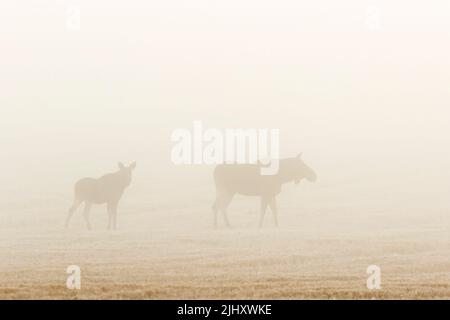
347,95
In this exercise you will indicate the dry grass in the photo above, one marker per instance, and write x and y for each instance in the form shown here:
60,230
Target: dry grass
173,253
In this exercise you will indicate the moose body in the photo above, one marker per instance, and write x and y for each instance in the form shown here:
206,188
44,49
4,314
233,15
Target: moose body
246,179
107,189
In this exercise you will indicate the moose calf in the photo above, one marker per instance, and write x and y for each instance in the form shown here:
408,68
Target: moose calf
107,189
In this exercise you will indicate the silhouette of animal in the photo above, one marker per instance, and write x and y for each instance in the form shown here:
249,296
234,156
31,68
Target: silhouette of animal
246,179
105,190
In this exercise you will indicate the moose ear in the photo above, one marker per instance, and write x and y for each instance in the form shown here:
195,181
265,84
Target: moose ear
299,155
133,165
121,166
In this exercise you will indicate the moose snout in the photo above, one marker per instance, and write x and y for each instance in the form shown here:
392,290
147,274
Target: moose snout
312,177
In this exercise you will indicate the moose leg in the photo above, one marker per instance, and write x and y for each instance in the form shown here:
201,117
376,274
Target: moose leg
217,205
273,208
110,215
224,202
114,216
223,199
264,202
225,217
73,208
215,211
87,208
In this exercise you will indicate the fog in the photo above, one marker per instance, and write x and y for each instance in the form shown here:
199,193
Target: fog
361,88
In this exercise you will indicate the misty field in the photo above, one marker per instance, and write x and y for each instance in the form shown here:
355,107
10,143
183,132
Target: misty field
172,252
360,88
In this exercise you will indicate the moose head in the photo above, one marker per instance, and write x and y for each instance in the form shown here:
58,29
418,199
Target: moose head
126,172
302,171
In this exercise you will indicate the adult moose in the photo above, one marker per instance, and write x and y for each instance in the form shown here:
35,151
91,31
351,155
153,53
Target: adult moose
107,189
246,179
